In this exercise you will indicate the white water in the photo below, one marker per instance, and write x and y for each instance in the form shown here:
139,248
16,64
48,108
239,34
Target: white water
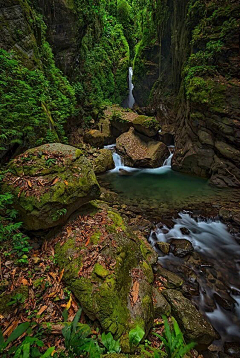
212,239
129,102
119,163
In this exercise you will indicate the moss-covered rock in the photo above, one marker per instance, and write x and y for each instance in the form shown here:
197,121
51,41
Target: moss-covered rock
49,183
17,297
110,277
103,162
148,126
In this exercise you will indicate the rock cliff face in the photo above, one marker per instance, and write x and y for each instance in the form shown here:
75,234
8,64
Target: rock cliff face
198,86
63,32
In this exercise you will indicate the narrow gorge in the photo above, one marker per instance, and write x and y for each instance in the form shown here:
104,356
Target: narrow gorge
119,178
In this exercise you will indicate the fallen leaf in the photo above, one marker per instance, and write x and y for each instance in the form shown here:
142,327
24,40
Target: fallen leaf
69,303
42,309
11,328
24,282
135,291
55,181
29,184
61,275
65,181
88,241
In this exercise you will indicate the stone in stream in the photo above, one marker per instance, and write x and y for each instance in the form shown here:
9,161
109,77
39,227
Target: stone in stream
141,151
195,327
163,246
49,183
181,247
103,161
168,278
161,305
110,274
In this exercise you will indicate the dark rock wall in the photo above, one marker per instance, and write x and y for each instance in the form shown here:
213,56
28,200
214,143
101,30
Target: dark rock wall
198,86
63,32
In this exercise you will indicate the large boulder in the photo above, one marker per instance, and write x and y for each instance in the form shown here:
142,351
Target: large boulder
49,183
195,327
140,151
108,268
148,126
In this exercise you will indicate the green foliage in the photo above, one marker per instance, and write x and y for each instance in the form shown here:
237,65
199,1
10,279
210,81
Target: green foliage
173,341
57,215
135,336
9,230
77,341
28,347
110,344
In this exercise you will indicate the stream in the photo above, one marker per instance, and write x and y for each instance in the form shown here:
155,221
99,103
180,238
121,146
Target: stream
213,273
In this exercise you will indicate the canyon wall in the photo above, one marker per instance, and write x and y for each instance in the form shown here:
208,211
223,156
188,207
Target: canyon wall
197,87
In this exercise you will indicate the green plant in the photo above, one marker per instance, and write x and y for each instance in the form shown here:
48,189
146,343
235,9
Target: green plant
28,347
173,341
61,212
18,298
135,336
50,162
110,344
77,341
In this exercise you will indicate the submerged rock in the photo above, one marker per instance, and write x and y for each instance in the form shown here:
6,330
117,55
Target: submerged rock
49,183
140,151
195,327
108,268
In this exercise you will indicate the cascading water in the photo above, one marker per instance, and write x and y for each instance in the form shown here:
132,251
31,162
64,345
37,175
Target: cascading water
119,164
217,277
130,100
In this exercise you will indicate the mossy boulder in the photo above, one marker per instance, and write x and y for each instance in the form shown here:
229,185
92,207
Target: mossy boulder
49,183
148,126
103,162
194,325
111,276
19,296
141,151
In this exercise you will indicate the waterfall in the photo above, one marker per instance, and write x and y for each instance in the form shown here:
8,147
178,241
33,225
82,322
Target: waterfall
119,164
130,100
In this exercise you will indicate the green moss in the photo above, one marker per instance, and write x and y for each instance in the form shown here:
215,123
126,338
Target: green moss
96,237
117,221
147,269
100,271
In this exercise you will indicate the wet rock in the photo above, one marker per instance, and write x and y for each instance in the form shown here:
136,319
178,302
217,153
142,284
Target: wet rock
96,138
140,151
168,278
224,300
160,304
181,247
49,183
148,126
232,349
164,247
195,327
184,231
103,162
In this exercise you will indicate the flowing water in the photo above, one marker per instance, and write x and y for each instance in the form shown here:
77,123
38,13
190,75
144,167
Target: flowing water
220,255
217,273
158,185
130,100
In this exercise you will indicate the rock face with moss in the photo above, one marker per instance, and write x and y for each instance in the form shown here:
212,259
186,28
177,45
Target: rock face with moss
141,151
49,183
108,268
197,63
